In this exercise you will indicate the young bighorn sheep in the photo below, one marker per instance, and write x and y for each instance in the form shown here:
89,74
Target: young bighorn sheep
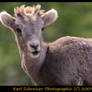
66,61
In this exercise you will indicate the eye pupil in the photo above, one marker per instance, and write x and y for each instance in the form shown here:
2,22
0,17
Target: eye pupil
43,29
18,30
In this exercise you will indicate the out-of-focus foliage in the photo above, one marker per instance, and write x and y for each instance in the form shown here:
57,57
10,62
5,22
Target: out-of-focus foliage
75,19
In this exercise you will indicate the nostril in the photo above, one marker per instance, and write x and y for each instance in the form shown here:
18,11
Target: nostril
34,46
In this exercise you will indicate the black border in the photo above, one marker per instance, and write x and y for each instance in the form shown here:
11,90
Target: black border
46,1
57,88
74,88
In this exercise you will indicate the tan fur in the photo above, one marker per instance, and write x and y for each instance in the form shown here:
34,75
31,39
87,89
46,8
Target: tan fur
29,11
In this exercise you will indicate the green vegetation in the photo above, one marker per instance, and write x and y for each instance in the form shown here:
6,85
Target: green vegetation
75,19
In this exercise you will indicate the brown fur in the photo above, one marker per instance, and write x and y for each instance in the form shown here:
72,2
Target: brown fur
68,61
29,11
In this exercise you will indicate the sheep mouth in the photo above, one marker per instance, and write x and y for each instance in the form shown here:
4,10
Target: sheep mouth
35,53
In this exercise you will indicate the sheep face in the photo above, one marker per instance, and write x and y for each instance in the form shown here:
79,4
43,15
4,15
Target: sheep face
27,27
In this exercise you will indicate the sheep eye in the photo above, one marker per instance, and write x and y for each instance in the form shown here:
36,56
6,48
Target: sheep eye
43,29
18,30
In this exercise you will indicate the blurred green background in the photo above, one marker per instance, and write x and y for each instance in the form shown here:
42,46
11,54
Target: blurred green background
75,19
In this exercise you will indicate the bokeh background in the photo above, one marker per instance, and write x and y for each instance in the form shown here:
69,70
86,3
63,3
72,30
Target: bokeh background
75,19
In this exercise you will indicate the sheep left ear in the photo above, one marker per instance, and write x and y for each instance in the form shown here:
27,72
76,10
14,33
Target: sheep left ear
50,17
6,19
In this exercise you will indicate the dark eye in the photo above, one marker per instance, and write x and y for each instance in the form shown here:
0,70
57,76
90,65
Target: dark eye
43,29
18,30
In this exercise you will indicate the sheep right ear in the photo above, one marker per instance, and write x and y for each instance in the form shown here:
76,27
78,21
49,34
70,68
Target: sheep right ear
6,19
50,17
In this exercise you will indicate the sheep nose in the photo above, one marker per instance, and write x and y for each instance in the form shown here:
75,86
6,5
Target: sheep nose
34,46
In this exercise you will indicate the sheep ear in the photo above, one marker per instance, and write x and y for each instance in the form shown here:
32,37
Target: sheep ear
50,17
6,19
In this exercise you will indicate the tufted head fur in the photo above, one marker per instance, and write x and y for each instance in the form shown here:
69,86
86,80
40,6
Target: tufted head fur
28,11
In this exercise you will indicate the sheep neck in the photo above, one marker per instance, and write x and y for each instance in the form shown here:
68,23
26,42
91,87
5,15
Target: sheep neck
32,65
